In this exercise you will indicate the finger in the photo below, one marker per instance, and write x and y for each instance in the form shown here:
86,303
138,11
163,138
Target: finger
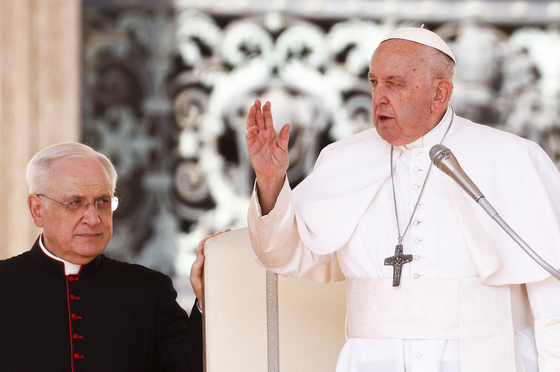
196,267
284,137
200,248
196,277
250,133
259,119
251,117
199,263
203,241
267,116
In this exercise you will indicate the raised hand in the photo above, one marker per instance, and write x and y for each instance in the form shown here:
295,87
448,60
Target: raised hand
268,152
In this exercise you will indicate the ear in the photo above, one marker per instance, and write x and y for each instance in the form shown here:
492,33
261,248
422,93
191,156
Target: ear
35,205
442,94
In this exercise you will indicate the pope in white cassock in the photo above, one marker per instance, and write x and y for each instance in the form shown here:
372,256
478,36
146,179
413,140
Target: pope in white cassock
433,283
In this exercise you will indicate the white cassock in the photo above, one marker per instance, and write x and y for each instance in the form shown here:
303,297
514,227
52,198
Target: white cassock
471,299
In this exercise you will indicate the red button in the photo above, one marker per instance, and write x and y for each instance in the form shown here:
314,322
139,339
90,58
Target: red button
74,297
74,316
78,356
72,278
77,336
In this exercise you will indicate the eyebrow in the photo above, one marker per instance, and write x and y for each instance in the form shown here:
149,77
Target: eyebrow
397,78
77,196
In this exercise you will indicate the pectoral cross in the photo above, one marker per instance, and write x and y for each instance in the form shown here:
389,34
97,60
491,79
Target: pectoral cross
397,261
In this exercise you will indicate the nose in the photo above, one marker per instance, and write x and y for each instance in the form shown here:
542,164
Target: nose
91,216
378,95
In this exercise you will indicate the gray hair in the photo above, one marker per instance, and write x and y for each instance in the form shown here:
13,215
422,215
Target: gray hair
441,65
39,166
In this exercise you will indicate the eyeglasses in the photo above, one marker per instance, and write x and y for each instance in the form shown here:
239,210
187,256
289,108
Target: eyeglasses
104,205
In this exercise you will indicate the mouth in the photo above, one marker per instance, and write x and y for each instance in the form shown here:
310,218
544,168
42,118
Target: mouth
382,119
89,235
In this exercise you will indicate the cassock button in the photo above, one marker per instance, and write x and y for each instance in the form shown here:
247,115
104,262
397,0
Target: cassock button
417,240
78,356
416,276
73,297
417,152
76,336
416,256
74,316
418,355
72,278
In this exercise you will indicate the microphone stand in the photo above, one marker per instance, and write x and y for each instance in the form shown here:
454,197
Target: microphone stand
496,217
444,159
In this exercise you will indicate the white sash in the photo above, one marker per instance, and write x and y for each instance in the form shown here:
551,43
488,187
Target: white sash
479,316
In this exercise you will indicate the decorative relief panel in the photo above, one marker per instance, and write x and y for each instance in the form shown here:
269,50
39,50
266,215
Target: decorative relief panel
128,55
166,95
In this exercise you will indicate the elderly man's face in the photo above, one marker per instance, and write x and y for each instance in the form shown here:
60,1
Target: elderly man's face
402,91
76,236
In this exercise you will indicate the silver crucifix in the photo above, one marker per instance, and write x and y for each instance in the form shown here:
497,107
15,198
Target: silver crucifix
397,261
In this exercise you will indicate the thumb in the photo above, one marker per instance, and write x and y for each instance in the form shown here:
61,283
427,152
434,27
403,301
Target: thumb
284,136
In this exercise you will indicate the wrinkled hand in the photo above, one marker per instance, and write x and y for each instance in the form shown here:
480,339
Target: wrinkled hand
268,152
197,267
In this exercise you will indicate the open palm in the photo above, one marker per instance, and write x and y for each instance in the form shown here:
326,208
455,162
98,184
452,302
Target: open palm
268,151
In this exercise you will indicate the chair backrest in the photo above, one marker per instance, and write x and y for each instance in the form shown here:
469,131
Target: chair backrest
311,315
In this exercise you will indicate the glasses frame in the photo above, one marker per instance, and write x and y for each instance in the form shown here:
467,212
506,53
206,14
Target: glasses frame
114,203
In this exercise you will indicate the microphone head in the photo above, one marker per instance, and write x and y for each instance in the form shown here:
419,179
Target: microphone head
444,159
439,153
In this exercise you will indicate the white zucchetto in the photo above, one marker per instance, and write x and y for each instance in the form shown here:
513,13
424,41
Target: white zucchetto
421,36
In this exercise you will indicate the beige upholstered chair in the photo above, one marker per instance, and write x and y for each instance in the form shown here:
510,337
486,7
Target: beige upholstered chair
311,316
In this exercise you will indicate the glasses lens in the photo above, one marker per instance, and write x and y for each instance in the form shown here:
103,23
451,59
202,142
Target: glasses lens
74,205
114,203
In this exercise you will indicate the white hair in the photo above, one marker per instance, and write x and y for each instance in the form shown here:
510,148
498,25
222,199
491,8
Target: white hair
441,65
38,168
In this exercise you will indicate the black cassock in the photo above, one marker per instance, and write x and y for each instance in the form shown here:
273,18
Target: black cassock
112,316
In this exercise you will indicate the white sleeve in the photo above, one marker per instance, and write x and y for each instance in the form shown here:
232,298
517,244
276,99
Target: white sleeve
545,303
275,238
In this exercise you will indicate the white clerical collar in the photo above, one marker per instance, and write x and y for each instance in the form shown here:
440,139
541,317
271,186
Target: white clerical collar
69,268
428,138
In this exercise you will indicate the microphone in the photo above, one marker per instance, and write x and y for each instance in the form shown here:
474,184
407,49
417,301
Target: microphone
444,159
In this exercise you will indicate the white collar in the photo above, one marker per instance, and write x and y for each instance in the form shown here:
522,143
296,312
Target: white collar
69,268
